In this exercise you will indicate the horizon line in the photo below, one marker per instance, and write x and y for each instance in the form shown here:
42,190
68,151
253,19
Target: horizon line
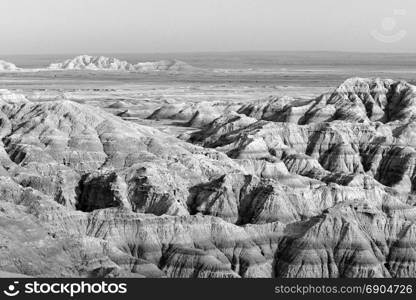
215,52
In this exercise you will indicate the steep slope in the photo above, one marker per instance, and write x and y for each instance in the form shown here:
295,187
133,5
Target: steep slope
348,141
265,193
355,100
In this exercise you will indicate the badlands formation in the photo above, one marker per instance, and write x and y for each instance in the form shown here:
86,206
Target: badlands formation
102,63
87,62
280,187
7,66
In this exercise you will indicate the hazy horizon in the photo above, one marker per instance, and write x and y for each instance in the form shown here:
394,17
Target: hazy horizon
193,26
249,61
107,53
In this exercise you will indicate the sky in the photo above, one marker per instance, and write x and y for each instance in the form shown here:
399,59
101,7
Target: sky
147,26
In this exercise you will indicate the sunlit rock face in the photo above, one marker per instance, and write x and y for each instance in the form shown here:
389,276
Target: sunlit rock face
275,188
7,66
102,63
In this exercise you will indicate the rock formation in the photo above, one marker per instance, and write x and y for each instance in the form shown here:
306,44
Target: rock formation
88,62
7,66
93,63
281,187
192,114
